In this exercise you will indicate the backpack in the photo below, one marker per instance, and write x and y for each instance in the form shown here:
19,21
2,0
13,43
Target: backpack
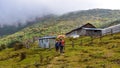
57,44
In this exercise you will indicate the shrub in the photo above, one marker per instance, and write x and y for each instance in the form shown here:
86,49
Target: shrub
116,37
117,61
16,45
22,56
36,64
2,47
12,43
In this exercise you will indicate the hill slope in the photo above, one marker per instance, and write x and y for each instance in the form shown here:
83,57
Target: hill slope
95,16
86,54
103,53
64,23
111,23
10,29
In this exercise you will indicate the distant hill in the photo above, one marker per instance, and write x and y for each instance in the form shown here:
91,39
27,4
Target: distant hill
54,25
94,16
10,29
97,17
111,23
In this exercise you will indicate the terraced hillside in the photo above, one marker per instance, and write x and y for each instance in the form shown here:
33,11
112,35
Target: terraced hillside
97,53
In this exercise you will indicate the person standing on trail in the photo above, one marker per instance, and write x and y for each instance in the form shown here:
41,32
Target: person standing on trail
57,45
62,45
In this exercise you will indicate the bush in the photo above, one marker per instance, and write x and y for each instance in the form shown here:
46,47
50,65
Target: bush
116,37
12,43
2,47
16,45
22,56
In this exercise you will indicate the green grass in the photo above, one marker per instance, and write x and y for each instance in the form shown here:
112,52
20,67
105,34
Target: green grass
103,53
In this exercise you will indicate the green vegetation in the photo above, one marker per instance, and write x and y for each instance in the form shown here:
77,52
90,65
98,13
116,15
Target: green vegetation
111,23
101,53
54,25
81,52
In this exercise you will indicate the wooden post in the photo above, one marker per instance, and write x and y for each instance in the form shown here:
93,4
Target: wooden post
81,42
49,46
101,36
91,39
41,59
100,39
111,32
72,44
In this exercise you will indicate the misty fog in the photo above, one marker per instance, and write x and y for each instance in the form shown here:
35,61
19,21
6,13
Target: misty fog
13,11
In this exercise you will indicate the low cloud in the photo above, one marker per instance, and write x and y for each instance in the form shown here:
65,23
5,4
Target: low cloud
13,11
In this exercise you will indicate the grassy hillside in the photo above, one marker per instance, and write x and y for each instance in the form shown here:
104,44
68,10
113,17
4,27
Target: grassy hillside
94,16
111,23
13,28
98,53
104,53
54,25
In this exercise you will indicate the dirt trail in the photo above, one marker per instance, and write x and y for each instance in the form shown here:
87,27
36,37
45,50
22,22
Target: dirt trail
56,61
52,62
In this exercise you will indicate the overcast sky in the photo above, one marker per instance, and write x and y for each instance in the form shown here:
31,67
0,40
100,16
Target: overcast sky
12,11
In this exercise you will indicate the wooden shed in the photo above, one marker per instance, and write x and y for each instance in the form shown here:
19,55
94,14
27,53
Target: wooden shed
79,31
94,32
47,42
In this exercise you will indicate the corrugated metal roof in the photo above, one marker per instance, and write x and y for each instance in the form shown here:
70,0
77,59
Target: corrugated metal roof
48,37
92,28
80,27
